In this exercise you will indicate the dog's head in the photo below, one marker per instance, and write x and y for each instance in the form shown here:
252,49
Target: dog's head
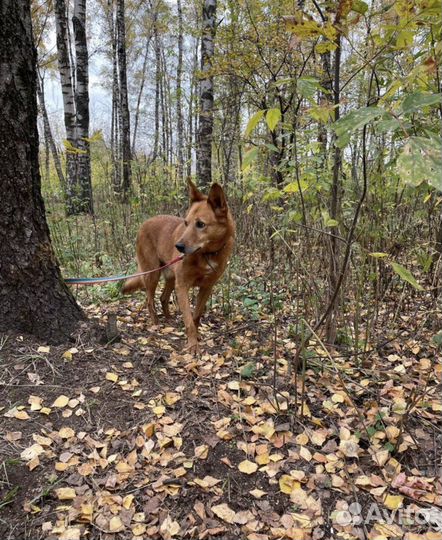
208,222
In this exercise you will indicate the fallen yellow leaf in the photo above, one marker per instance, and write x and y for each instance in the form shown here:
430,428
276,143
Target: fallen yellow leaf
116,525
66,493
224,512
61,401
247,467
110,376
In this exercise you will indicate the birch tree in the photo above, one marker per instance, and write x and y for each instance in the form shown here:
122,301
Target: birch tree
205,127
179,98
124,101
74,85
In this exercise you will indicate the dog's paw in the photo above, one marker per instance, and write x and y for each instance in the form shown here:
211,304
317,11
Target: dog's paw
194,348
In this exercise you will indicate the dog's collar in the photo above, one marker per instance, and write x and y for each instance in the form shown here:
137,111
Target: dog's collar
208,254
213,253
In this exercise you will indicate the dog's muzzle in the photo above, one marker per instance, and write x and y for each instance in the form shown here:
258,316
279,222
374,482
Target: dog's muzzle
182,248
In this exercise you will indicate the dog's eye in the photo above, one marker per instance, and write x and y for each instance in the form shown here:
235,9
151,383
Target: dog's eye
200,225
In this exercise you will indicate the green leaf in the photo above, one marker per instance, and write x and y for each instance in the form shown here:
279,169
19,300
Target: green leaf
421,161
322,113
389,124
250,156
355,120
359,6
415,102
437,339
293,187
307,86
273,116
272,194
248,371
378,254
328,221
406,275
252,123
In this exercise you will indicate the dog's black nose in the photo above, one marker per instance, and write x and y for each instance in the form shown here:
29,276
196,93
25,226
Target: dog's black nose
180,247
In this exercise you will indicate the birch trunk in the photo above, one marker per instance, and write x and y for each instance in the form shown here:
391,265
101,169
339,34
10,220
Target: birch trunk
140,93
205,129
67,89
82,109
48,133
115,138
179,105
76,106
157,90
124,102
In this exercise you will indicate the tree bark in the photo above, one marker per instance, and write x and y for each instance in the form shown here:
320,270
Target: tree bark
157,89
140,93
48,133
115,131
33,296
75,96
83,171
179,98
205,128
124,102
335,203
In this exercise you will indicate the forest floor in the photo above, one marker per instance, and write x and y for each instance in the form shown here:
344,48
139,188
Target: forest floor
137,439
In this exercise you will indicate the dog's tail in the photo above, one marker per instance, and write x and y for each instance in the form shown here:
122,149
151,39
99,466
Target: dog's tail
132,284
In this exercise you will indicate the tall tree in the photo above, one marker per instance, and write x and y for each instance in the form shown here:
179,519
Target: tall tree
74,85
48,132
83,156
205,127
124,101
179,97
33,296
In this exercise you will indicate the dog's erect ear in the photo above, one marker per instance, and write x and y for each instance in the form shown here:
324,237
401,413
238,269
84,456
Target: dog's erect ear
217,200
194,194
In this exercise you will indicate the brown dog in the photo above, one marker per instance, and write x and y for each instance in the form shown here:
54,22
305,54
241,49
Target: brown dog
206,239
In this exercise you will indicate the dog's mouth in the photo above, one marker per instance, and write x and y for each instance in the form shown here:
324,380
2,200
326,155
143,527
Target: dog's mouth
184,250
192,250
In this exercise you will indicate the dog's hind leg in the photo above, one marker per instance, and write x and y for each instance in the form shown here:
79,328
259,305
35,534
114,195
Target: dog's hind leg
165,296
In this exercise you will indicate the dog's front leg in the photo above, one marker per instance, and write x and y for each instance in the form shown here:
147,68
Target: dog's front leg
182,294
201,300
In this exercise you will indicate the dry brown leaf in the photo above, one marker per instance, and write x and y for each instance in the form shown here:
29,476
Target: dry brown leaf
169,528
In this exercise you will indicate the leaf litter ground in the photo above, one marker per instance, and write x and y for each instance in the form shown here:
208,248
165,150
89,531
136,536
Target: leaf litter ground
137,439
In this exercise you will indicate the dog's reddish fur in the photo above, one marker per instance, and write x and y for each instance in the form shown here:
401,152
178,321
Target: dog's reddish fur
206,236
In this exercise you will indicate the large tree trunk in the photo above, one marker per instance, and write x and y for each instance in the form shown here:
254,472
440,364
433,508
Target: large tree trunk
124,102
33,297
82,108
205,129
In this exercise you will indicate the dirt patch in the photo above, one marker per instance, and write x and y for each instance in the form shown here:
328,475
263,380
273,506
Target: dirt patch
137,439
